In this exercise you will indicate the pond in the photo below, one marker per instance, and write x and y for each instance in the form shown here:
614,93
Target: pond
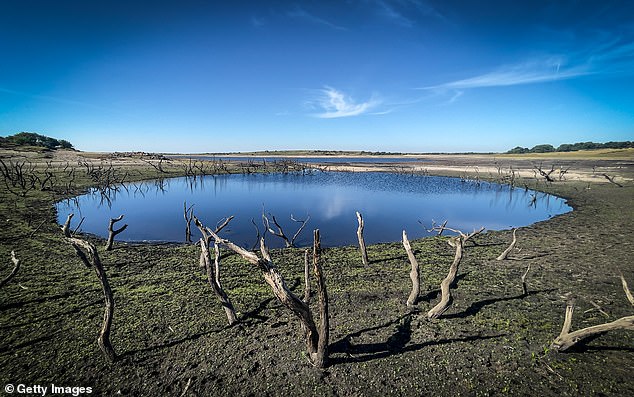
389,203
314,160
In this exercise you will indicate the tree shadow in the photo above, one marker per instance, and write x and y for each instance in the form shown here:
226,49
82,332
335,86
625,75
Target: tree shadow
582,346
74,310
41,299
397,343
131,353
254,316
477,306
391,258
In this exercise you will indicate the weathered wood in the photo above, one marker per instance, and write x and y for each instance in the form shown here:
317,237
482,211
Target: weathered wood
89,256
16,267
306,279
567,339
413,274
280,232
364,252
213,272
321,356
284,295
66,226
458,243
507,251
112,233
213,277
627,291
611,180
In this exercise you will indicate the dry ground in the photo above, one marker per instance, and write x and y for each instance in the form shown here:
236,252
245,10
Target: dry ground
170,330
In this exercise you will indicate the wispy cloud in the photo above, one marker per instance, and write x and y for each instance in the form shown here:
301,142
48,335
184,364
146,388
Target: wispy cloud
300,13
536,71
405,12
334,104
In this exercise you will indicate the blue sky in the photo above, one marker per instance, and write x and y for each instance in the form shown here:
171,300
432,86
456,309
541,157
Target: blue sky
380,75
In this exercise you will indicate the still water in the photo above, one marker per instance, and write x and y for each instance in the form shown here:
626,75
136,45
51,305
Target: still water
389,203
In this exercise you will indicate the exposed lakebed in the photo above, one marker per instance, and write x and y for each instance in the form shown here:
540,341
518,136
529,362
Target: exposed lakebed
389,202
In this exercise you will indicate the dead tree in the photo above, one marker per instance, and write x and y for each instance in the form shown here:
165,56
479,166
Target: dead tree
16,267
213,273
611,180
413,274
112,233
66,226
567,339
316,338
213,277
188,213
545,174
458,243
627,291
507,251
364,251
280,233
306,278
89,256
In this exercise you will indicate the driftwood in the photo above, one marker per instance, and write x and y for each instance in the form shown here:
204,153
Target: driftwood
627,291
414,274
112,233
89,256
567,339
16,267
458,243
213,273
364,251
507,251
316,339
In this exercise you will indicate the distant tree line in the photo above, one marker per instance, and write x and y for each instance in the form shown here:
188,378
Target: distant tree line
33,139
572,147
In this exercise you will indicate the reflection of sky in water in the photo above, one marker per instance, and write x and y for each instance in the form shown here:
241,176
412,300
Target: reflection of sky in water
388,202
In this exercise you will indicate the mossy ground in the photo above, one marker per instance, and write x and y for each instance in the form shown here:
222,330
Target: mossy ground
170,331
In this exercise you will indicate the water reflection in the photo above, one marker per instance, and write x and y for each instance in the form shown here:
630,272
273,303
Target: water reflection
389,203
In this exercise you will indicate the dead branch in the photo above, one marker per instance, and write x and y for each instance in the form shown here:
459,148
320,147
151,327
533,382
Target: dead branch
301,227
611,179
89,256
16,267
364,252
314,339
545,174
112,233
213,277
319,359
280,232
567,339
524,287
458,243
187,214
213,274
306,279
627,291
413,296
66,226
506,252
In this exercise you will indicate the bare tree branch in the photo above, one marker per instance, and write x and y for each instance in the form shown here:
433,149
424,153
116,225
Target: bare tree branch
506,252
627,291
112,233
567,339
16,267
